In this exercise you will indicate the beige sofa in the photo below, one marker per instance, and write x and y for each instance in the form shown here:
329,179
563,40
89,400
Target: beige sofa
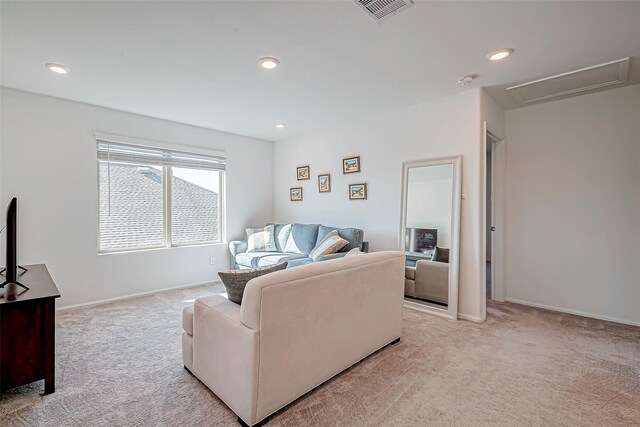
428,280
295,329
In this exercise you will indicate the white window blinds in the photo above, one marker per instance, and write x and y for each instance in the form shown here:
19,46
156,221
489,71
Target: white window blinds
116,152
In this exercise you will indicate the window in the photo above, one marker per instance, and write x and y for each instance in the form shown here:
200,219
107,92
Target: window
156,197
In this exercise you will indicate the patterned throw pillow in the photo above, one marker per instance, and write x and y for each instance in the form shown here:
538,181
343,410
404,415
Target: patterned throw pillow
236,280
330,244
261,239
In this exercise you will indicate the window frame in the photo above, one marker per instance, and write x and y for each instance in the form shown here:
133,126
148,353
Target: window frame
167,176
221,209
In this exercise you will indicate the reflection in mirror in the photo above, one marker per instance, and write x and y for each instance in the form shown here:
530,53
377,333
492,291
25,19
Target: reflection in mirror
428,230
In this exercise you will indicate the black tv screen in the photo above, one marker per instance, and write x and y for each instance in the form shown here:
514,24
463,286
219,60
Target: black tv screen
12,241
420,239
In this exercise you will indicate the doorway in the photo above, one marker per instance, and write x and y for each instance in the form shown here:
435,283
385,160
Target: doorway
490,228
492,245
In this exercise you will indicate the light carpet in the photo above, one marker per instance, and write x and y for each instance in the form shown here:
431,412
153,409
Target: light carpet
120,365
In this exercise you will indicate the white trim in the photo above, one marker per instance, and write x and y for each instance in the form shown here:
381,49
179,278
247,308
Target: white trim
428,309
470,318
157,144
167,205
160,248
483,221
131,296
574,312
222,206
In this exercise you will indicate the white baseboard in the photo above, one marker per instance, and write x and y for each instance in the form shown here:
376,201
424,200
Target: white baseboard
470,317
140,294
574,312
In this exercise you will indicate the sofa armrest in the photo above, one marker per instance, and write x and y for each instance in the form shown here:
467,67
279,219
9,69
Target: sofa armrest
237,247
331,256
225,354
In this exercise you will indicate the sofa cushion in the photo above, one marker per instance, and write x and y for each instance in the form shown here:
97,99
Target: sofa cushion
410,273
261,259
236,280
261,239
303,239
187,319
299,261
354,236
331,244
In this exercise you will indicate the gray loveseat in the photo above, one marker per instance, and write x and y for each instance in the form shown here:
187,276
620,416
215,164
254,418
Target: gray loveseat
306,237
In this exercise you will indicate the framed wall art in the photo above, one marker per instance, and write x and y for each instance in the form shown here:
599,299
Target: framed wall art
357,191
302,173
351,165
295,194
324,183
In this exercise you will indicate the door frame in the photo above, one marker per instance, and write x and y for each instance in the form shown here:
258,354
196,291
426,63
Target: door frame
498,162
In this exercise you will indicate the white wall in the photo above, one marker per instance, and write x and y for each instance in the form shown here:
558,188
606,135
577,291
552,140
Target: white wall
573,204
444,127
49,163
429,200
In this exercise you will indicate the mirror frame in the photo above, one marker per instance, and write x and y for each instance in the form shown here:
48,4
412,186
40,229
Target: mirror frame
451,311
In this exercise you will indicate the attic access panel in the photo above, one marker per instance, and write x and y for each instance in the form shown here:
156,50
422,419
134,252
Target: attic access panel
572,83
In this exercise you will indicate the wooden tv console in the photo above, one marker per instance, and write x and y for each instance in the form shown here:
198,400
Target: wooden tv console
27,330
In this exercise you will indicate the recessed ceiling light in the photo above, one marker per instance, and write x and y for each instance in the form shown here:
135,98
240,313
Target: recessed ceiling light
269,63
500,54
280,125
57,68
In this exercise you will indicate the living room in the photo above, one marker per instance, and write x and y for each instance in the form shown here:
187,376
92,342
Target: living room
299,128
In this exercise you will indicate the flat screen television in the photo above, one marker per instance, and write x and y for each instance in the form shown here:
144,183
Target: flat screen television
11,269
421,239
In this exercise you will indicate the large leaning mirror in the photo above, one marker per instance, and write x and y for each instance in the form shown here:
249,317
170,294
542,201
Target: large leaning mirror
429,234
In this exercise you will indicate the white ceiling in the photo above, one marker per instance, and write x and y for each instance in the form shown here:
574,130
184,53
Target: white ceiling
196,62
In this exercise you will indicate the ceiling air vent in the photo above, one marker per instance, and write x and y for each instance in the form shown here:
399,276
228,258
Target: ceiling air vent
572,83
380,10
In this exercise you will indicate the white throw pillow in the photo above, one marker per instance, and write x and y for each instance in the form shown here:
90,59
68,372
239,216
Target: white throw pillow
291,247
261,239
354,252
283,236
332,243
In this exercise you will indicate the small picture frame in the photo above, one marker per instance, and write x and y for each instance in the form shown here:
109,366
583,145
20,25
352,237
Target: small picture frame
351,165
324,183
302,172
357,191
295,194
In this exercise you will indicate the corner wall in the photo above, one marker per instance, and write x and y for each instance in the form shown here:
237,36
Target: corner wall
444,127
573,205
49,163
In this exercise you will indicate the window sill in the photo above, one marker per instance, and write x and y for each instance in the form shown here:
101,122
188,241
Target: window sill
161,248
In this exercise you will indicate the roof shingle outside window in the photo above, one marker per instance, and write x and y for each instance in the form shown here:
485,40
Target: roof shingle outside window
135,217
